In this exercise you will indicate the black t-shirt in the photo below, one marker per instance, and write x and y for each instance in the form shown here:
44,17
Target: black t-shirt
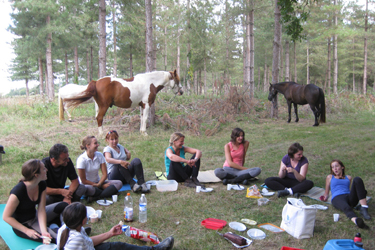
26,208
56,177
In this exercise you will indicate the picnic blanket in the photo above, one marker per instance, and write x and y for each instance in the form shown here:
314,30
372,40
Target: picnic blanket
11,239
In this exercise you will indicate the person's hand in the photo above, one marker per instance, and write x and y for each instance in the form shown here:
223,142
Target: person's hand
66,193
290,170
323,198
47,239
116,230
32,233
67,200
125,164
191,162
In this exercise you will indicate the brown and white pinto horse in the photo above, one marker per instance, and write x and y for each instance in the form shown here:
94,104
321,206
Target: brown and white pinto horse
140,91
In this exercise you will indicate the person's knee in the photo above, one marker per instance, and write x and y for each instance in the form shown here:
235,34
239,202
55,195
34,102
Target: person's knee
137,162
255,172
59,208
220,173
81,190
357,180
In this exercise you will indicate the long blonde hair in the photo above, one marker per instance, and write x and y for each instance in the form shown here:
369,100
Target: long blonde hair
174,137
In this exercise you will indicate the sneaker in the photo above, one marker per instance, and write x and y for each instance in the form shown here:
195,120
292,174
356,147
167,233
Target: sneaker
364,212
145,189
189,183
360,223
166,244
225,181
282,193
136,188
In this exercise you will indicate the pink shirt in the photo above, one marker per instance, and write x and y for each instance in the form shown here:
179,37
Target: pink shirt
237,155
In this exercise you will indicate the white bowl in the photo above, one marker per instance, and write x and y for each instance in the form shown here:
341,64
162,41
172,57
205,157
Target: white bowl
256,234
169,185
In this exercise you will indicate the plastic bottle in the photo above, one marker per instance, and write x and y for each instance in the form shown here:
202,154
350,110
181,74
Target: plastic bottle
358,240
139,234
143,209
128,208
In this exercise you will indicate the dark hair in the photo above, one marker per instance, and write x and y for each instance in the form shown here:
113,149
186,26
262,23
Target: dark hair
73,216
56,151
87,140
30,168
294,148
341,164
111,134
236,133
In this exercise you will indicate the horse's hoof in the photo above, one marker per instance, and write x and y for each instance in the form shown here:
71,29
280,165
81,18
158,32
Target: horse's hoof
315,125
297,120
144,133
288,121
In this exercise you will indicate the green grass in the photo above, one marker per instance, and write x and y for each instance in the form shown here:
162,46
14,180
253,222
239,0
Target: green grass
29,129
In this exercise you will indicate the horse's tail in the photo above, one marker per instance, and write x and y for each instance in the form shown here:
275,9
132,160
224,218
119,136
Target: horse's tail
61,108
322,106
73,102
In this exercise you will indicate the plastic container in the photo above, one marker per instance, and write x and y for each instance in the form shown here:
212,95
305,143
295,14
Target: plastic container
212,223
169,185
139,234
339,244
128,208
143,209
263,201
290,248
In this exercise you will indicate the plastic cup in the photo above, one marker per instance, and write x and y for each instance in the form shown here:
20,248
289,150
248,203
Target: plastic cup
336,217
197,189
148,186
114,198
99,213
94,218
229,186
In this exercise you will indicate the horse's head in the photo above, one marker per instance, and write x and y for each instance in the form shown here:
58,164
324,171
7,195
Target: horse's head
175,83
272,92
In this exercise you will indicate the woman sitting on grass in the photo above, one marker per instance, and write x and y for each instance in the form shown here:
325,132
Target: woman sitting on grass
88,165
345,198
233,170
292,174
175,161
119,167
20,212
72,236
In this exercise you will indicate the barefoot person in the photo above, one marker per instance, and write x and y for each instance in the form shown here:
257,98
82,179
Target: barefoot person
89,163
345,198
233,170
20,212
177,167
120,167
72,236
292,174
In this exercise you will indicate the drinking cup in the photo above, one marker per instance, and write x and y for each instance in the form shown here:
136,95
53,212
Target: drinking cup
114,198
336,217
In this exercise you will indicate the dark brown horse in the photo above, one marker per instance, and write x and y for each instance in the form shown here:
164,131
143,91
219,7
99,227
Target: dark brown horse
301,94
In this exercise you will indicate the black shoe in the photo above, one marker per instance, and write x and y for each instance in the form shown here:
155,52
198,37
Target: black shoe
364,212
88,230
225,181
166,244
297,195
360,223
189,183
282,193
196,182
246,182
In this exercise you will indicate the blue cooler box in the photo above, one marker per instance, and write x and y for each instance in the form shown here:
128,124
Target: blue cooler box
341,245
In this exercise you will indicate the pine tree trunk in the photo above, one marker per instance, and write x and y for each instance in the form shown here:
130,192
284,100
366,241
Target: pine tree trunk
252,50
247,54
329,66
276,57
40,63
364,88
102,39
88,66
188,49
265,82
281,77
76,67
287,61
295,62
66,69
244,48
165,49
335,59
114,41
131,62
27,88
51,90
149,52
307,65
205,75
353,68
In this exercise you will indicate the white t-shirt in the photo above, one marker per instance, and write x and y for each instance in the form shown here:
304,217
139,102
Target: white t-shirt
76,240
91,166
118,156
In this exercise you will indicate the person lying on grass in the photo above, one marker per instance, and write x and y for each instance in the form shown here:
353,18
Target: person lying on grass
292,174
120,167
72,236
233,170
20,212
345,198
177,167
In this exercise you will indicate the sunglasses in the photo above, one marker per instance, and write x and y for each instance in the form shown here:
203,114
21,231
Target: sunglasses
112,131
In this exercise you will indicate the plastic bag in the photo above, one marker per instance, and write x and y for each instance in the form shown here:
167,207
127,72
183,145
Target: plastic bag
253,192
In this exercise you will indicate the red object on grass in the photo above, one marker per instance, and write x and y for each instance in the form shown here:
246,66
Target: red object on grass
290,248
212,223
321,198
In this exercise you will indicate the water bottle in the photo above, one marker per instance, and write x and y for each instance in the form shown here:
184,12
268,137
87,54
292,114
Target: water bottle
358,240
128,209
143,209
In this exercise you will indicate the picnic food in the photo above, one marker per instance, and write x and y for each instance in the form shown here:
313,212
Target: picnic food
235,238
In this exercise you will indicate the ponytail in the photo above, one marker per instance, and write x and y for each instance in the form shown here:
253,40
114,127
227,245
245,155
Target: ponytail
64,238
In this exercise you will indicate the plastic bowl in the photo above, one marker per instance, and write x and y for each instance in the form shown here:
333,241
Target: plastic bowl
256,234
169,185
262,201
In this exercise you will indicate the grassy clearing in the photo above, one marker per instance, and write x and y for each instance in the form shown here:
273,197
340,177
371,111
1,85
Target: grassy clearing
29,129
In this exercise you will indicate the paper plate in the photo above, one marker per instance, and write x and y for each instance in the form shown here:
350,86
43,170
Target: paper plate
90,211
238,187
46,247
206,190
248,221
107,203
256,234
248,242
237,226
268,194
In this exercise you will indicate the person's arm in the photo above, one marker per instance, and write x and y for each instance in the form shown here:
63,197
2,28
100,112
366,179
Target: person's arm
246,146
283,170
328,183
128,154
98,239
10,208
59,191
109,159
301,176
198,155
82,176
174,157
42,217
103,167
229,159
